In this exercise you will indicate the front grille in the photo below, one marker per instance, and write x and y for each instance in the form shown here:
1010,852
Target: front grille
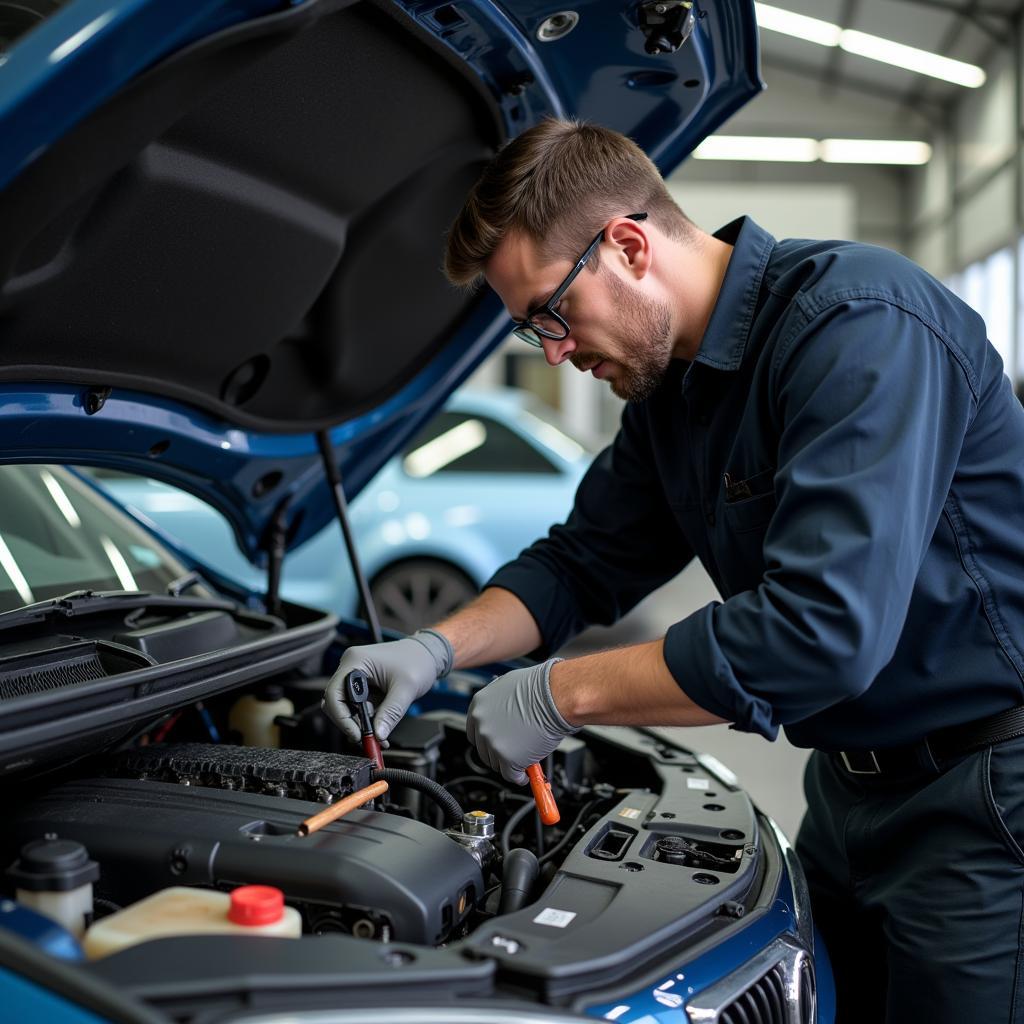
775,987
763,1003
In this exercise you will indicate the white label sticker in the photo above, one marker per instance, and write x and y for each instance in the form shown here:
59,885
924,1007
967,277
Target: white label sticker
629,812
554,918
697,783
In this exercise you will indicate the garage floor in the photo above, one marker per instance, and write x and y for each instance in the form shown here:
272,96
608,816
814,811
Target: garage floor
770,772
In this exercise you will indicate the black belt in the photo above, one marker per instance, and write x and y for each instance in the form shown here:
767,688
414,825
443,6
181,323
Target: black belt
937,749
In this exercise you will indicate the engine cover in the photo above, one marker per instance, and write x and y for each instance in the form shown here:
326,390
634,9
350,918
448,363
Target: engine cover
396,877
303,774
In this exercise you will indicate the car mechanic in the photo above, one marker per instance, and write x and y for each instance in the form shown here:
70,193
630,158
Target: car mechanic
828,430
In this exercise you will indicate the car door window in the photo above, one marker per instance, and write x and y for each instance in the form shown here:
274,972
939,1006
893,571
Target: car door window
463,443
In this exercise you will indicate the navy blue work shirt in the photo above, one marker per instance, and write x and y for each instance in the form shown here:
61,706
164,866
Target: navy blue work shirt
845,456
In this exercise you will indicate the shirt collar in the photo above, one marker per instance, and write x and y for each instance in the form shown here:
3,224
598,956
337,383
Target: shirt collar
725,339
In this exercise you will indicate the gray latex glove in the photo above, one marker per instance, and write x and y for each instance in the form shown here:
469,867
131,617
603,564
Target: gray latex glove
399,672
513,721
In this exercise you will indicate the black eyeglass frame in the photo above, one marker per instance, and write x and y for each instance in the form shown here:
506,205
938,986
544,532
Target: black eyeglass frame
526,330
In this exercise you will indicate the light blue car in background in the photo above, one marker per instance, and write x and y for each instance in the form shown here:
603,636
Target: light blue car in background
488,475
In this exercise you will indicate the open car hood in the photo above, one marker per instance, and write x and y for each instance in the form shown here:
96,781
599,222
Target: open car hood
223,219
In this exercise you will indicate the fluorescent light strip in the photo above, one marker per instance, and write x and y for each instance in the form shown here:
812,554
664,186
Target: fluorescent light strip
863,44
874,151
912,59
813,30
831,151
757,147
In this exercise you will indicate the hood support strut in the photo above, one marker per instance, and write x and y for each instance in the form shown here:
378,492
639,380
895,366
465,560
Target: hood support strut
341,507
276,548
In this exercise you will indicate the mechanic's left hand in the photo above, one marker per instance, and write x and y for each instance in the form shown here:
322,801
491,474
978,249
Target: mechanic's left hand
513,721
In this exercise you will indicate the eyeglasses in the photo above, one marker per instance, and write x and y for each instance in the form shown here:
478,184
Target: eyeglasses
545,321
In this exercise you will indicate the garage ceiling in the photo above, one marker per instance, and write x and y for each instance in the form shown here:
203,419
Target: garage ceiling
967,30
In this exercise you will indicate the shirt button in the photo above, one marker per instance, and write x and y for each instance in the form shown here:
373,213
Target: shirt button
710,517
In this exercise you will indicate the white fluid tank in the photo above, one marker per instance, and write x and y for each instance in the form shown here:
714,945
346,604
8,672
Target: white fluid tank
181,910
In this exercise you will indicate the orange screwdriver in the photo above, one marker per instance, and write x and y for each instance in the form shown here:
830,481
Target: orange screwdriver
542,795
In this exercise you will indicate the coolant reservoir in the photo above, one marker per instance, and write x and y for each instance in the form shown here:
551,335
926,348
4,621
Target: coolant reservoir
253,716
54,877
180,910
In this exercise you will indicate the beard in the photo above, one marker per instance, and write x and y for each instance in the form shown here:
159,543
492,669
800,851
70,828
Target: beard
643,333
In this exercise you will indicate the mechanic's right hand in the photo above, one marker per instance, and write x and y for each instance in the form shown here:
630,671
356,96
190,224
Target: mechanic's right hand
399,672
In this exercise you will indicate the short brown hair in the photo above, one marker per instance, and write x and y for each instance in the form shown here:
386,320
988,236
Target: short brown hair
558,183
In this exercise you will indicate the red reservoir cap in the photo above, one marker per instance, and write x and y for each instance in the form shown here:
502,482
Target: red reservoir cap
256,904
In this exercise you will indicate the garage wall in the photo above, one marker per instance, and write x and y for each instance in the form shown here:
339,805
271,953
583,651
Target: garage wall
786,210
873,204
965,205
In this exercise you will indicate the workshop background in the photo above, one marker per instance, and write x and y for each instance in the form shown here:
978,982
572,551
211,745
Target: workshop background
893,122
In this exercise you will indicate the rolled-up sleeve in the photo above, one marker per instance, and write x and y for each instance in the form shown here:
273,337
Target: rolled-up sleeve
872,403
619,543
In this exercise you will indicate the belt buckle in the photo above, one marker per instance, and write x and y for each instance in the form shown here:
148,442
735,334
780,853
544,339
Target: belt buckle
875,769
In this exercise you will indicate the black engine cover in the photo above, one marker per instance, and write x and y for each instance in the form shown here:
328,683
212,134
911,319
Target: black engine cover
414,882
303,774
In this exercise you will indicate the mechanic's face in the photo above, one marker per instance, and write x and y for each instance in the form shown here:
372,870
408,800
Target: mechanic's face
616,331
641,343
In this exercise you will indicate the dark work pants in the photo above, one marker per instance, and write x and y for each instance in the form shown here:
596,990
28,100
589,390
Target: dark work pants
917,886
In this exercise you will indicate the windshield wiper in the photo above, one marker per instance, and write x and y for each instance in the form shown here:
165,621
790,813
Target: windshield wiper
90,602
178,586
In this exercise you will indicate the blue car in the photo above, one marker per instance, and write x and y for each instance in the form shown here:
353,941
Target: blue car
219,269
483,479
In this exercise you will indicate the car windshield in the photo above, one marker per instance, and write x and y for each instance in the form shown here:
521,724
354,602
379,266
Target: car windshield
57,535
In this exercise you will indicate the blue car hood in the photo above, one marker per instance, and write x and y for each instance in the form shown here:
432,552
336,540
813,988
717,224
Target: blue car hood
223,219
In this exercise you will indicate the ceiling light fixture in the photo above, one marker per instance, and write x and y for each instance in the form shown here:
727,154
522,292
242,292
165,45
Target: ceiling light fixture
758,147
813,30
863,44
833,151
875,151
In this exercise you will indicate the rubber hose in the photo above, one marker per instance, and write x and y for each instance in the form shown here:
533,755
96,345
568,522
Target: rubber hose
428,787
518,877
510,825
570,833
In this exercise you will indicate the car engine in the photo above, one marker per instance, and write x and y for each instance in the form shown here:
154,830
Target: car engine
654,848
212,816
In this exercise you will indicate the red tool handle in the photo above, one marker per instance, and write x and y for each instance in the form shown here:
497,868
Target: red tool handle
542,795
371,748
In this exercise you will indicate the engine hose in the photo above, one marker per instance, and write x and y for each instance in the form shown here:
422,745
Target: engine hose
570,833
519,875
512,823
428,787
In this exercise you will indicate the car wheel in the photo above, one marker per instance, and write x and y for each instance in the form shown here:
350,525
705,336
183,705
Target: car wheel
419,592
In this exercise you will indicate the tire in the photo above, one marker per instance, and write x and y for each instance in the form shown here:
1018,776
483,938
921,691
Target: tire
419,592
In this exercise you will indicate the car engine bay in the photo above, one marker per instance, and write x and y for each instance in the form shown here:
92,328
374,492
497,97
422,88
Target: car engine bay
654,851
135,790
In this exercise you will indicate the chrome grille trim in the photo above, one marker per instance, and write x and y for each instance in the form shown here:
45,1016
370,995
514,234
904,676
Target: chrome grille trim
774,987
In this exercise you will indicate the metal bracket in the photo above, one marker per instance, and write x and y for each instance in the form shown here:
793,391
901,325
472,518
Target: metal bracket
666,24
